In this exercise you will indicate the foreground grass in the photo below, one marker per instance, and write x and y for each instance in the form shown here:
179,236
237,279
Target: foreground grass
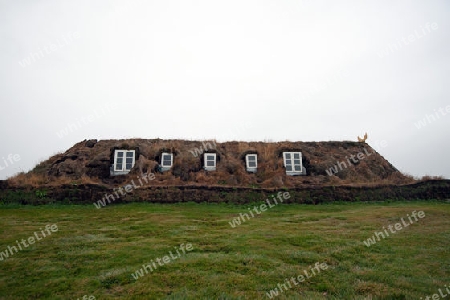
95,251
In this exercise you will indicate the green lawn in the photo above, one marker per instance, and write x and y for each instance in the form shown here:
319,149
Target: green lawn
96,251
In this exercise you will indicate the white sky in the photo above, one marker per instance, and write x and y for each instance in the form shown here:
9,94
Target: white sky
311,70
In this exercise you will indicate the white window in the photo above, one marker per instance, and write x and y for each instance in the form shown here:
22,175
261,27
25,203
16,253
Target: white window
124,160
210,161
293,163
251,162
166,160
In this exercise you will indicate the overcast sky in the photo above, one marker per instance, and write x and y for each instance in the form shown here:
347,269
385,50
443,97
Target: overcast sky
300,70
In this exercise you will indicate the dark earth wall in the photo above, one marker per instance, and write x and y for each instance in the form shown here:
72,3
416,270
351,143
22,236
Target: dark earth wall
90,193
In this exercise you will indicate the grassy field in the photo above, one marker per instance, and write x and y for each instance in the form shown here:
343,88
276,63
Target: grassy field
96,251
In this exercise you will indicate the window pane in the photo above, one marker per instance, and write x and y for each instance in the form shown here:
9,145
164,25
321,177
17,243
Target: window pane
288,155
119,160
296,161
288,162
297,155
297,168
252,164
130,154
210,163
119,166
288,168
251,158
210,157
119,153
129,162
167,160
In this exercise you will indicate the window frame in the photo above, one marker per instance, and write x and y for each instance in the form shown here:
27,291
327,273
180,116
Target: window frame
162,160
292,164
205,160
247,165
124,161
